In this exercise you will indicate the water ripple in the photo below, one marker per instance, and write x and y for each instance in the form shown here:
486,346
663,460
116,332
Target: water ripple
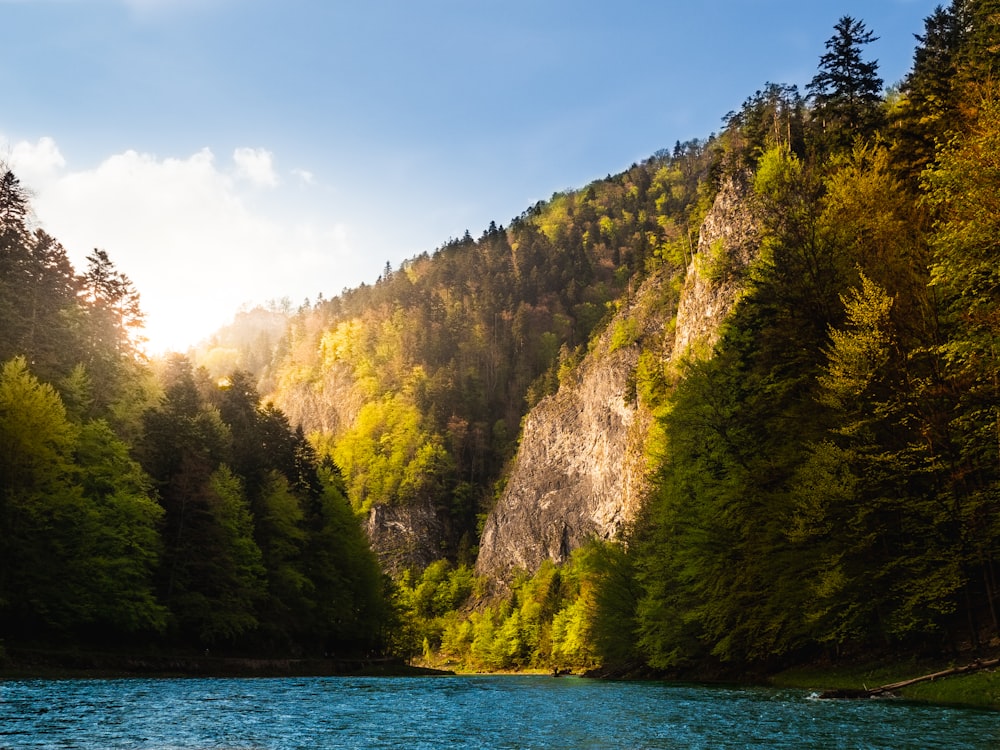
462,712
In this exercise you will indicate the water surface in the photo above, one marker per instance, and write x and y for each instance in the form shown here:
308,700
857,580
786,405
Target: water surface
462,712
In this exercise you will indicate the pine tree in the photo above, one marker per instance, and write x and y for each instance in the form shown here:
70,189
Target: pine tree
928,109
846,92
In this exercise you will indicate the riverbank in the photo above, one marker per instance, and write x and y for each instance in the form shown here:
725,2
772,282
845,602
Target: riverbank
60,664
977,689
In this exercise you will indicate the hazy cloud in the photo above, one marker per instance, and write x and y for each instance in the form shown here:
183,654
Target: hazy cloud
183,230
305,176
33,162
255,165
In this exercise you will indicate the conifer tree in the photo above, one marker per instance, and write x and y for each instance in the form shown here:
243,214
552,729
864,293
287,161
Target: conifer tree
928,109
847,89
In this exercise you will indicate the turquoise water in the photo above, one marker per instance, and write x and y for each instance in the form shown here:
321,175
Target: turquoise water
462,712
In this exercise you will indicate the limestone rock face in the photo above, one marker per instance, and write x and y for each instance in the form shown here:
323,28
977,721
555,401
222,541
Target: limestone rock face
573,477
405,536
581,469
727,244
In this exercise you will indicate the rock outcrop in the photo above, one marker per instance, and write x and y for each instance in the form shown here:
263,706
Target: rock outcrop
581,469
407,536
728,244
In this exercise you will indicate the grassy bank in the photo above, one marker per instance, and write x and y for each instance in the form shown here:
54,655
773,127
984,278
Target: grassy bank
977,689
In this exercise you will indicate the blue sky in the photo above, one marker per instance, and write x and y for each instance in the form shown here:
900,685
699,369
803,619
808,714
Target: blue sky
230,152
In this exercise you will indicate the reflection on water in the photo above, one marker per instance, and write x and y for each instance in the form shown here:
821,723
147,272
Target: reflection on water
462,712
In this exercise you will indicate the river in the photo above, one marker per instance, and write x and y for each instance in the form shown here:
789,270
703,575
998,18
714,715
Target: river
462,712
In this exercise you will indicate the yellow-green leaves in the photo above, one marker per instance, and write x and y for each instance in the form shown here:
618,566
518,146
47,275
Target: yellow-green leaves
860,349
777,169
388,455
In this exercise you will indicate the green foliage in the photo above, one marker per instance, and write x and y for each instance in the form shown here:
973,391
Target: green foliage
834,485
429,605
859,352
218,593
122,542
402,382
777,169
265,555
964,424
846,90
714,263
261,546
772,117
39,503
609,599
928,110
77,518
578,616
388,456
349,607
624,333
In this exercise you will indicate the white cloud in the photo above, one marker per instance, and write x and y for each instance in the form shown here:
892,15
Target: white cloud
256,165
34,163
183,231
305,176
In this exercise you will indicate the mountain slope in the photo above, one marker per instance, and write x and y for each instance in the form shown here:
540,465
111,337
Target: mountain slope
582,467
416,386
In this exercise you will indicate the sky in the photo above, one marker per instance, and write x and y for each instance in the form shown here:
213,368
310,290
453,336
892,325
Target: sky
227,153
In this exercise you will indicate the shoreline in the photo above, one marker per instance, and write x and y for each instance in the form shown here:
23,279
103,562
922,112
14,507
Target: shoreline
979,690
43,664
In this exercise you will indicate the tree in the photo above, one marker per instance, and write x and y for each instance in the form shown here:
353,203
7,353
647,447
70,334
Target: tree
121,543
115,315
978,64
14,206
928,110
350,605
771,117
38,290
79,527
885,567
847,91
39,503
963,186
389,456
212,576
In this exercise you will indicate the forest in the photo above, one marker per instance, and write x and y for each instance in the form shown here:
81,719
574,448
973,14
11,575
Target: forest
825,480
146,503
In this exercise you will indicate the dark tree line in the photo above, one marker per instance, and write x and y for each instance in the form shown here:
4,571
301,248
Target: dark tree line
830,480
139,505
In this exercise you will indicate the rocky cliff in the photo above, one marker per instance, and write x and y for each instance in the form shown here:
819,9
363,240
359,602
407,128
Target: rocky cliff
581,469
407,536
728,243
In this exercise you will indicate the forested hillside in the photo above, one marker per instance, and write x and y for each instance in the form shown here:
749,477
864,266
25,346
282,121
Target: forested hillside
824,463
830,478
416,386
149,505
825,476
